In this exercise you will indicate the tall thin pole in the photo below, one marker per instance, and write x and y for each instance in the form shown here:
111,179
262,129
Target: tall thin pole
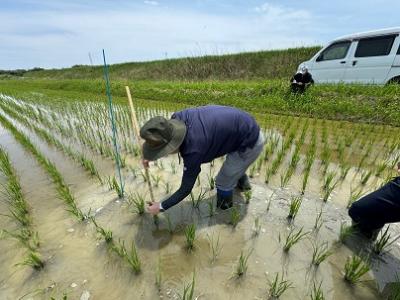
135,125
113,126
136,129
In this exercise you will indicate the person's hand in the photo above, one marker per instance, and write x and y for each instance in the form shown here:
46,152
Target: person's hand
154,208
145,163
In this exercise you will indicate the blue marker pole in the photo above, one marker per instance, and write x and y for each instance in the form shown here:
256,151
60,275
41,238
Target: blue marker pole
113,126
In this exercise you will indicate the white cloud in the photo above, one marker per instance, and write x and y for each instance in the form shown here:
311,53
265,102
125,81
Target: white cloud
281,13
150,2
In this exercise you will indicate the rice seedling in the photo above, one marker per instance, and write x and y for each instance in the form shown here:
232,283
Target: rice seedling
365,177
156,179
293,238
25,236
355,268
188,290
167,188
132,258
197,200
211,180
345,232
354,196
319,221
381,167
278,286
33,260
295,203
329,185
109,183
137,201
320,253
215,247
344,170
107,235
190,234
247,196
144,176
242,264
383,242
234,216
317,292
394,293
116,186
257,226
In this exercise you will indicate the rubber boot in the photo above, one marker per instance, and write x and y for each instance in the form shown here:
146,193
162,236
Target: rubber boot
244,183
224,199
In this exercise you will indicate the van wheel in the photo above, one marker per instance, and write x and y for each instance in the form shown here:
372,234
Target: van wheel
394,80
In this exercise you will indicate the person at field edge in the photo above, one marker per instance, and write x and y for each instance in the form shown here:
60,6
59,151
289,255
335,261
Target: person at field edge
373,211
301,81
201,135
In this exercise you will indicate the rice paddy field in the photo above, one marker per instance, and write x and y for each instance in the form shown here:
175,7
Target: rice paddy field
70,230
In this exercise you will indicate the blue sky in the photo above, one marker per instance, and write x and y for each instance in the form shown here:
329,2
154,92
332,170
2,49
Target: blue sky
61,33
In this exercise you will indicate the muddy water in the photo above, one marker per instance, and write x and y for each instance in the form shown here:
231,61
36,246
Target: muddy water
74,256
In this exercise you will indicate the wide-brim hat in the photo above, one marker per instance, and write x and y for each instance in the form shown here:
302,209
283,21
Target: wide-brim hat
162,137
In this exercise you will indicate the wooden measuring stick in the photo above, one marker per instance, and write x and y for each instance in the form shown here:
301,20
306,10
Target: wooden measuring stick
135,126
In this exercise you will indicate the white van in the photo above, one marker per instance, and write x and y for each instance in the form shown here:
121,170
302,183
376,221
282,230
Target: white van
370,58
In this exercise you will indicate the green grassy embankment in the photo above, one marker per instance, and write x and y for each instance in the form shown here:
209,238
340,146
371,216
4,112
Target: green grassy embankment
249,65
371,104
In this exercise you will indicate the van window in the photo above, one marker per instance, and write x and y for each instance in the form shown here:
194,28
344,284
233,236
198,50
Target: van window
376,46
335,51
398,50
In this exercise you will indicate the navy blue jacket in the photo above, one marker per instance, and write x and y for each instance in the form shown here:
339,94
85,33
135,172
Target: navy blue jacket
212,131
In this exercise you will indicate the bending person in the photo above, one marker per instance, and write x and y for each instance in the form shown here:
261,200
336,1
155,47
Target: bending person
201,135
373,211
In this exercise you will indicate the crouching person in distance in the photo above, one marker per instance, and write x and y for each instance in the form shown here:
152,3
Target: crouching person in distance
373,211
200,135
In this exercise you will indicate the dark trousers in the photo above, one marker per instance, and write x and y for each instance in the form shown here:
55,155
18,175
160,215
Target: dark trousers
374,210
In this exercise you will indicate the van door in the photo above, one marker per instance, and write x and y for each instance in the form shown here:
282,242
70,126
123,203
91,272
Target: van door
372,60
330,65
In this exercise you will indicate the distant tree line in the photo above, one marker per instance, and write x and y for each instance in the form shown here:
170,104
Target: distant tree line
19,72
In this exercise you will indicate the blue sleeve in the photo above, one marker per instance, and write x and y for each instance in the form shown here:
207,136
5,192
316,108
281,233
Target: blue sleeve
192,168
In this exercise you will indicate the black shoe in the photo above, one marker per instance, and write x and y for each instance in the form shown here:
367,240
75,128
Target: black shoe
224,202
244,183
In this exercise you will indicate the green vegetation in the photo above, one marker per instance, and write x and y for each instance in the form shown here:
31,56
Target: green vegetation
345,231
242,264
293,238
215,247
188,290
278,286
295,203
320,253
190,234
354,269
384,241
338,102
234,216
316,292
262,64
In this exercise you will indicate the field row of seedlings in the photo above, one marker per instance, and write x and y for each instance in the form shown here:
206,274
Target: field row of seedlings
19,209
20,213
303,158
